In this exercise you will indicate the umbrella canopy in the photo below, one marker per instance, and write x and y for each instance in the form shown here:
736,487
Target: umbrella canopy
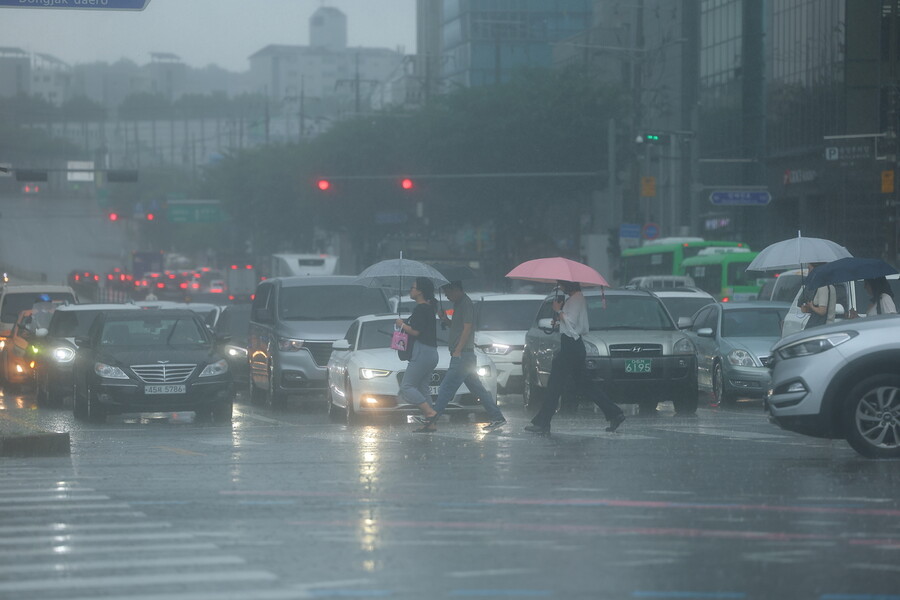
795,253
551,270
455,272
391,274
848,269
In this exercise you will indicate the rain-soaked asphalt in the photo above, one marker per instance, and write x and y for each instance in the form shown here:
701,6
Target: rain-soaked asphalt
284,504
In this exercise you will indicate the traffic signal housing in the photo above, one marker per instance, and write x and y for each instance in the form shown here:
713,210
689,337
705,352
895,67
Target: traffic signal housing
653,138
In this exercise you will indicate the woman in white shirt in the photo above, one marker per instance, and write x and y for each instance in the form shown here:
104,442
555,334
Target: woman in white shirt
882,297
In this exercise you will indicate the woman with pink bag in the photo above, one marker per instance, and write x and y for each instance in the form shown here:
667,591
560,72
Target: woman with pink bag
422,331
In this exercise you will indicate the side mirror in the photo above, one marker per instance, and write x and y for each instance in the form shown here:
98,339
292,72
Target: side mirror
705,332
546,325
684,322
839,310
41,332
83,342
340,345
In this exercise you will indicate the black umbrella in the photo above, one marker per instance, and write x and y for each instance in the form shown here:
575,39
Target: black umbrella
848,269
453,272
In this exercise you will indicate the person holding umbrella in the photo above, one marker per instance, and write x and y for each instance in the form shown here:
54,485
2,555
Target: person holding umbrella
821,308
422,328
569,363
882,298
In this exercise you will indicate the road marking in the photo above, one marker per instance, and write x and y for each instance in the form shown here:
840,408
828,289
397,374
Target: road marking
47,490
61,528
503,593
181,451
93,538
489,573
142,563
106,549
652,594
876,567
53,498
69,583
66,507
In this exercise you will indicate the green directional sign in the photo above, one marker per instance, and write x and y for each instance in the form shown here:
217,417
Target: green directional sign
80,4
194,211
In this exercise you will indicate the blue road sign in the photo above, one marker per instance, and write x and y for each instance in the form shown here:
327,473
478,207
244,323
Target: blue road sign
740,198
629,230
650,231
82,4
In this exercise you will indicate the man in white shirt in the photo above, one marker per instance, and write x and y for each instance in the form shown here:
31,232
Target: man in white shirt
821,308
569,363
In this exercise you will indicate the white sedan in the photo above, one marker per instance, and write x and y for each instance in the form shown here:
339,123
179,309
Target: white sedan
364,374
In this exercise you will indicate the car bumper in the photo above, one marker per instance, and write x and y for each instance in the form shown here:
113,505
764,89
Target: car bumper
509,374
746,382
669,376
297,372
130,397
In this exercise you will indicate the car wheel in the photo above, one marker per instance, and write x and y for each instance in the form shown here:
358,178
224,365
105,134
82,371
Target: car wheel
350,413
275,399
720,396
872,415
95,412
335,414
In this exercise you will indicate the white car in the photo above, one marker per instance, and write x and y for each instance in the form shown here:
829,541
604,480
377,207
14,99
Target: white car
501,321
684,302
364,374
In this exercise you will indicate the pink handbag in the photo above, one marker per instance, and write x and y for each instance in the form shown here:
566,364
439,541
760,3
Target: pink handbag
400,340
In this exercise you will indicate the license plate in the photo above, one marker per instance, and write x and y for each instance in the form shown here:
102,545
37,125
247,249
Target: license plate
638,365
433,390
164,389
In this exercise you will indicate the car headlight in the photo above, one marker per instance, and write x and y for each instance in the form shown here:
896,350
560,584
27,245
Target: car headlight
741,358
496,349
591,348
483,371
2,343
109,371
373,373
289,344
236,351
220,367
684,346
63,354
815,345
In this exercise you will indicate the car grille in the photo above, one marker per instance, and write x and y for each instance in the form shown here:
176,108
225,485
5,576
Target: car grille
436,377
163,373
767,361
321,351
635,350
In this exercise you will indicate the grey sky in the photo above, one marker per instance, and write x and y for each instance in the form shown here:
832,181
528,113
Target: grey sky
201,32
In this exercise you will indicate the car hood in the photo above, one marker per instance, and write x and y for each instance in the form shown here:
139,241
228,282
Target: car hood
604,339
386,358
314,330
156,355
757,346
508,338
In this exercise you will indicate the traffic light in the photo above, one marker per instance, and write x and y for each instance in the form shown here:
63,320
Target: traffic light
150,217
407,184
113,216
653,138
323,184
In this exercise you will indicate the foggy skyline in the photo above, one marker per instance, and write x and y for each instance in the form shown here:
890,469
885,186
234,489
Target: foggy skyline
200,32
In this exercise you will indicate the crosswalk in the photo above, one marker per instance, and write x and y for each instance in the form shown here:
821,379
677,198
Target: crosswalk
61,538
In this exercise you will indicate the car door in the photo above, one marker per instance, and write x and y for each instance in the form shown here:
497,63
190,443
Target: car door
339,363
541,345
260,332
707,347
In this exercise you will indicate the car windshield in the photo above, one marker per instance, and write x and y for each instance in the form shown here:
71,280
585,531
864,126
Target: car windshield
627,312
329,302
377,334
506,315
235,321
14,303
753,322
685,307
178,330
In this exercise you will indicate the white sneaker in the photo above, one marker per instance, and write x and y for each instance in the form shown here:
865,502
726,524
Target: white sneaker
494,425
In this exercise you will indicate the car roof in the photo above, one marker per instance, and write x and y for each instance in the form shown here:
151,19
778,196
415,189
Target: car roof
378,317
35,288
682,292
144,312
753,304
498,296
615,292
309,280
98,306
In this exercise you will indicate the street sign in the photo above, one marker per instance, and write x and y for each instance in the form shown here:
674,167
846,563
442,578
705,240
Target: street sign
850,151
740,198
648,187
650,231
81,4
629,230
887,182
194,211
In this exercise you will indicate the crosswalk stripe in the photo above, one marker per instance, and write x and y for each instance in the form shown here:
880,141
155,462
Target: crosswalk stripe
42,490
257,594
66,566
106,549
56,497
66,507
70,583
77,538
61,528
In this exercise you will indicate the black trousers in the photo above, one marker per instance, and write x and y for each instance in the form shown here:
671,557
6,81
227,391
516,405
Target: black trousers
568,365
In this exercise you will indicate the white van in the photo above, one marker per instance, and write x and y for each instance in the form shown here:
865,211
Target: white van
293,265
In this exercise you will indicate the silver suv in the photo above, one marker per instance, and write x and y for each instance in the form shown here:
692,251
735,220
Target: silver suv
841,381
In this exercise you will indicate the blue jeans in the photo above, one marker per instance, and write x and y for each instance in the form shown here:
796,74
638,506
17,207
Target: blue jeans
463,368
414,388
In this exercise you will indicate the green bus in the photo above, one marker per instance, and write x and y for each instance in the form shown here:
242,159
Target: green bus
664,256
722,272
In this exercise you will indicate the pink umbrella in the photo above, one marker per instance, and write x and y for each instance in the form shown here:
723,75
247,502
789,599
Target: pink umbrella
551,270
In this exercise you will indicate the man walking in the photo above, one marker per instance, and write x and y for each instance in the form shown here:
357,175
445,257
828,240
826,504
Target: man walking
463,365
568,364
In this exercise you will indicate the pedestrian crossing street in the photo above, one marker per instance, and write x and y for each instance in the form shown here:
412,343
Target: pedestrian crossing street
61,538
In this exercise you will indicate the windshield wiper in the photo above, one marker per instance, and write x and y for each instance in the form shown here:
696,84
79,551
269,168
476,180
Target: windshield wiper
172,331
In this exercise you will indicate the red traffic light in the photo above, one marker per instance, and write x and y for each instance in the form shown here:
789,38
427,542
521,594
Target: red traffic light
150,216
407,183
323,184
113,216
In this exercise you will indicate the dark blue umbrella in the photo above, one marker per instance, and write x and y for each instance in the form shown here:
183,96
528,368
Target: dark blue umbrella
848,269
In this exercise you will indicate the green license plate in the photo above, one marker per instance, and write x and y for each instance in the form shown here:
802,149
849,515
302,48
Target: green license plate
639,365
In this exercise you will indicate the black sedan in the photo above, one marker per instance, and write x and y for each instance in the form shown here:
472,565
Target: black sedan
232,329
159,360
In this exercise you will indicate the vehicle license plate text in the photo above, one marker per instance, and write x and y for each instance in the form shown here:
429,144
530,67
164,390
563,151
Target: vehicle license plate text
433,390
164,389
638,365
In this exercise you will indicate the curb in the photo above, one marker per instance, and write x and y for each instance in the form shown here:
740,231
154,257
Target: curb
20,438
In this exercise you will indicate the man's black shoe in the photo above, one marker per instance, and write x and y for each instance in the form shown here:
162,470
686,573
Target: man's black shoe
537,429
616,421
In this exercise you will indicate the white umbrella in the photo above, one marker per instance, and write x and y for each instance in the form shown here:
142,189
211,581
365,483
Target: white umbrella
391,273
797,252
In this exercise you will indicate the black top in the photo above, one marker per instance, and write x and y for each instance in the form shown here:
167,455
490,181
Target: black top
423,320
